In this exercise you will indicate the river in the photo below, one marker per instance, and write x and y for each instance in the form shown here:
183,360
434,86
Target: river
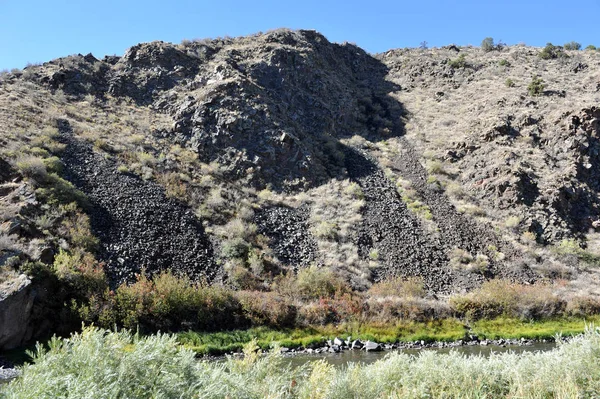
356,356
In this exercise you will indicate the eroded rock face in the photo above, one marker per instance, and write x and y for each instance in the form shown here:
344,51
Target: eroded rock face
270,108
16,305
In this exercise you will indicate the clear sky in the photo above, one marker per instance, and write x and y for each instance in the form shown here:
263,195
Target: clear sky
41,30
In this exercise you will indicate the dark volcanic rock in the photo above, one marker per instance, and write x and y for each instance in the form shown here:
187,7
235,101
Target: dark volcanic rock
405,249
138,226
288,230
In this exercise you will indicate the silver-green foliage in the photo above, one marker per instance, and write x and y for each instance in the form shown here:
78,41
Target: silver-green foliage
99,364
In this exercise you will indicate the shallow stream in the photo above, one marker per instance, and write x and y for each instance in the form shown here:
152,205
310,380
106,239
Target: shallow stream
358,356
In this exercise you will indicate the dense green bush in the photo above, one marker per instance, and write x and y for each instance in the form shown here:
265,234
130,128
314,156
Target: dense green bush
551,51
171,303
572,46
536,87
488,45
315,283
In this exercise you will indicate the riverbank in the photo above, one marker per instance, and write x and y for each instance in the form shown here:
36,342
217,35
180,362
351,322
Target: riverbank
437,333
100,363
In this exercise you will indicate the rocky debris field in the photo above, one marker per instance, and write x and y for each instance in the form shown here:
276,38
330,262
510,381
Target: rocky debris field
404,248
288,231
139,227
458,230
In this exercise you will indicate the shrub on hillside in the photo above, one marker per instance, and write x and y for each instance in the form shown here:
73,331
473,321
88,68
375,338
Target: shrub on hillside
487,44
458,62
591,47
32,167
536,87
551,52
314,283
172,303
411,287
572,46
76,228
81,272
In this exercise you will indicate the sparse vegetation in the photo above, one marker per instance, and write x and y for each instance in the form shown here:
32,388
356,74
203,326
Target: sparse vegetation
458,63
536,86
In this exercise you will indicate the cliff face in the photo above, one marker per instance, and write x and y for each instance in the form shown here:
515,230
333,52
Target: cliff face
235,160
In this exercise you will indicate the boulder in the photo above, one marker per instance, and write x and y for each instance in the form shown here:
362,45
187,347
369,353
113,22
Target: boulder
372,346
16,305
356,344
338,342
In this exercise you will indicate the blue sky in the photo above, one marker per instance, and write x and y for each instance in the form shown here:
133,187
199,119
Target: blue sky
37,31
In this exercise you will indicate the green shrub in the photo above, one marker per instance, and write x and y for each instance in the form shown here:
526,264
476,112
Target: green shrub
509,83
458,62
56,190
487,44
591,47
572,46
536,87
173,303
572,247
326,229
504,63
314,283
32,167
551,52
81,272
76,228
236,248
145,158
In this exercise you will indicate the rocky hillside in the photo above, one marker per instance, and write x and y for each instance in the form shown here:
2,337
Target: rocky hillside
239,160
